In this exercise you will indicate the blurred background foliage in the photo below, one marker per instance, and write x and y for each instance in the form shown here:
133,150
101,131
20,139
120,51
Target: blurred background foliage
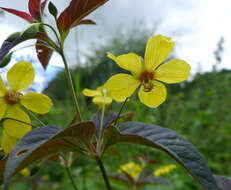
198,109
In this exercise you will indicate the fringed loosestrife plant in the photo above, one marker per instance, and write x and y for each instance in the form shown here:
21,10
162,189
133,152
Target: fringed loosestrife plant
94,137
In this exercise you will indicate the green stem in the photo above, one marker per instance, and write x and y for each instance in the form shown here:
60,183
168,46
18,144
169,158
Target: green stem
71,178
37,119
104,174
70,84
8,118
122,107
54,31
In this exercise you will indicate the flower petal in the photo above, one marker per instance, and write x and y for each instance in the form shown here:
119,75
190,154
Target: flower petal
157,50
91,93
20,76
100,101
155,97
3,88
173,71
36,102
130,62
15,128
7,142
121,86
3,108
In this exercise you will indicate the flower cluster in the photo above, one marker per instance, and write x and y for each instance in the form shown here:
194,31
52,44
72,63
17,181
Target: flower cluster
148,73
16,123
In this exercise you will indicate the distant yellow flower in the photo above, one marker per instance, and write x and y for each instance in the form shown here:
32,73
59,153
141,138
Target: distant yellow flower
45,177
148,72
132,169
100,96
25,172
19,78
164,170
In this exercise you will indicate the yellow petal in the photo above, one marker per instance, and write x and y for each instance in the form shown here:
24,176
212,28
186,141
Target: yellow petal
157,50
20,76
130,62
173,71
36,102
91,93
7,142
121,86
155,97
14,128
100,101
2,108
3,88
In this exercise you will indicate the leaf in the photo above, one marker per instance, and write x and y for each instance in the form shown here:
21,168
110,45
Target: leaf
85,21
34,9
32,32
75,12
43,5
20,14
40,143
146,178
119,177
223,182
166,140
43,53
109,118
6,60
53,10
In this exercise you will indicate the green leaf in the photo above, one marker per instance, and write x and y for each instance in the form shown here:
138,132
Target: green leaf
13,40
40,143
166,140
6,60
52,9
223,182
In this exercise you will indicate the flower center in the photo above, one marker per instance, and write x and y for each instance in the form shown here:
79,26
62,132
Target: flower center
146,79
12,97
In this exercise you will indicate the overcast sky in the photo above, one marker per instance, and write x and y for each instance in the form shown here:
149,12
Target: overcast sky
195,25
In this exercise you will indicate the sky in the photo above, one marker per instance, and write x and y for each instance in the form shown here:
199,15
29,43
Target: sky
195,25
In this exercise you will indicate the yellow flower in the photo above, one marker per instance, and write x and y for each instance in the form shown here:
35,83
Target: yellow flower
19,78
148,72
100,96
164,170
25,172
131,168
45,177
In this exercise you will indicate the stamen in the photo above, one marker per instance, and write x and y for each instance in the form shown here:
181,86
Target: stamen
12,97
146,80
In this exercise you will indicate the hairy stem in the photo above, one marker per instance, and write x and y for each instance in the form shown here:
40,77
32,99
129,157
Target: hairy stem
71,87
104,174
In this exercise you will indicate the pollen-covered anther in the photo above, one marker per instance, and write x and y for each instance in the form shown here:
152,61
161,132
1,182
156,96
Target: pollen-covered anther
146,80
13,97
